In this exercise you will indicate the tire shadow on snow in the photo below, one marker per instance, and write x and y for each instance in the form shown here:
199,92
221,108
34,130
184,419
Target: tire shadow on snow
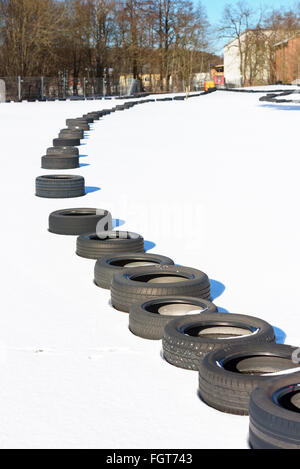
216,289
280,335
91,189
282,107
149,245
116,222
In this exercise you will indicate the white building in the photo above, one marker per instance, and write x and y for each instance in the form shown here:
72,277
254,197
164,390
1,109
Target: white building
246,60
232,64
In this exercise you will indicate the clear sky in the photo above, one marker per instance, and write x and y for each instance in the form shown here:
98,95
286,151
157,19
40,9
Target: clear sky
215,8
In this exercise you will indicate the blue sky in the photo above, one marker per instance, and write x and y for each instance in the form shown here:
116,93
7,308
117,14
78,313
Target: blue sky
215,8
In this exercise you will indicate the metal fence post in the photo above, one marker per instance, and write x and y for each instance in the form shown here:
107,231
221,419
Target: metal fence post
84,87
64,87
19,88
42,88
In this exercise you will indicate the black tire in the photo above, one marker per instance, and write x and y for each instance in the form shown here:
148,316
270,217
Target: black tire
84,127
60,186
149,318
274,411
76,221
60,162
91,246
107,266
94,115
227,377
78,120
80,124
71,133
72,151
66,142
132,285
185,348
88,119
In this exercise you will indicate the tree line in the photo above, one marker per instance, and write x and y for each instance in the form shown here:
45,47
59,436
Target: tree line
161,43
102,40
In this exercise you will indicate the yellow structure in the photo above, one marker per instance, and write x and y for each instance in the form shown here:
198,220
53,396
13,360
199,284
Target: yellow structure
209,85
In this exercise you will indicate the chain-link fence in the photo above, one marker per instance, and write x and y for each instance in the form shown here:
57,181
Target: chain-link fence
60,87
47,88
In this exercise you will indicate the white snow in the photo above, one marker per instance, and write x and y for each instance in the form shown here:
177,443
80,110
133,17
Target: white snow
214,182
270,88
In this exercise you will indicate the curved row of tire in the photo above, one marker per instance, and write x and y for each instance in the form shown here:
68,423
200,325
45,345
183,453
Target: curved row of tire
65,155
100,98
280,98
234,354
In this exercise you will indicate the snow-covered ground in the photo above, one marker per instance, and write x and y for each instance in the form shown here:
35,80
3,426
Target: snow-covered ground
214,183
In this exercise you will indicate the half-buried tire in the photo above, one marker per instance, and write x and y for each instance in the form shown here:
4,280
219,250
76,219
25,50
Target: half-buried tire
77,221
227,377
59,186
89,119
60,162
71,133
66,142
63,151
107,266
149,318
134,285
188,340
275,414
94,246
77,124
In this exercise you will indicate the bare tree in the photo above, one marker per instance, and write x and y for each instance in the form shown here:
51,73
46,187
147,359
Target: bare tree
102,27
190,37
28,32
237,20
104,39
283,25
